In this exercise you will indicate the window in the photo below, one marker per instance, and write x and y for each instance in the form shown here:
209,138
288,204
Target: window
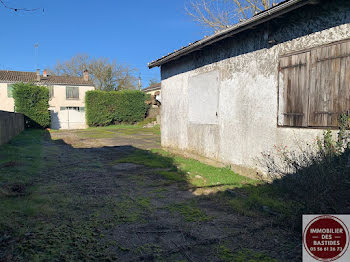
51,91
80,109
72,92
9,90
314,86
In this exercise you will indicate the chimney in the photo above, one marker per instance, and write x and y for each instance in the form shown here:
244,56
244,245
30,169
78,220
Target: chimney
38,75
45,73
86,75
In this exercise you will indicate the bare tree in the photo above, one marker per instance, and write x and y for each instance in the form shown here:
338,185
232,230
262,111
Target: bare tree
153,81
219,14
107,75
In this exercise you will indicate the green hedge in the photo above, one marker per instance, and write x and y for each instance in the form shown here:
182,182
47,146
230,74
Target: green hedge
106,108
33,102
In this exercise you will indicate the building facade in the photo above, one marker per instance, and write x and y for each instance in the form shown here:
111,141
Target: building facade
67,96
278,79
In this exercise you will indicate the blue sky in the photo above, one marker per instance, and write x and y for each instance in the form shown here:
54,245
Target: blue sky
133,32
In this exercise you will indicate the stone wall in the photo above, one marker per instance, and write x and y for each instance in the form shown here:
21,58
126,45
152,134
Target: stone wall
11,124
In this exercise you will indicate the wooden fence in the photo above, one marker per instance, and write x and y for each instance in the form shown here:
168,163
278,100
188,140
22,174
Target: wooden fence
11,124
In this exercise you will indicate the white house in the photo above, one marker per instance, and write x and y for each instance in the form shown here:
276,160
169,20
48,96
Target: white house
67,95
279,78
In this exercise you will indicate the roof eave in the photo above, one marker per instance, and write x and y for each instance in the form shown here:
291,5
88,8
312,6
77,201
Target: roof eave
242,26
152,89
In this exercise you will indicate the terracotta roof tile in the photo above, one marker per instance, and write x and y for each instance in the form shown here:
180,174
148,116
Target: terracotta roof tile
18,76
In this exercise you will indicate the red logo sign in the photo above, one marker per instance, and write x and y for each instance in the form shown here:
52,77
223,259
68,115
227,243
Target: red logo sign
326,238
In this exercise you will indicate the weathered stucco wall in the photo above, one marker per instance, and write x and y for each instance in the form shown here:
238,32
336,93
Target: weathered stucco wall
247,67
11,124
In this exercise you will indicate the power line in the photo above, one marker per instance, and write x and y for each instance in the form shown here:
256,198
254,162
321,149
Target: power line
20,9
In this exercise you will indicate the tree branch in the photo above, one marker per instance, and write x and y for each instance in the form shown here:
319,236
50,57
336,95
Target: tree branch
219,14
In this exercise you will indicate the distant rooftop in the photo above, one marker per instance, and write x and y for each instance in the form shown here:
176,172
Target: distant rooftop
152,87
19,76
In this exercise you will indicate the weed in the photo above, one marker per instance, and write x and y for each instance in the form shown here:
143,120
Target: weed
146,121
96,134
159,190
189,211
311,181
244,255
124,249
173,175
130,210
147,158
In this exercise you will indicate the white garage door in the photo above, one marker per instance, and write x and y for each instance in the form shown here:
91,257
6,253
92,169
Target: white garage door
68,118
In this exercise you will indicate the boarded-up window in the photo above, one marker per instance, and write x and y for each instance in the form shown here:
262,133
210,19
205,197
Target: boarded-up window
314,86
203,93
330,84
72,92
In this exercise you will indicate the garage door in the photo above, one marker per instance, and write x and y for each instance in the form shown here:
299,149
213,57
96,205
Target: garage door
68,118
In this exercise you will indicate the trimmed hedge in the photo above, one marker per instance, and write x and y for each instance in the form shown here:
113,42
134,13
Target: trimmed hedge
33,102
107,108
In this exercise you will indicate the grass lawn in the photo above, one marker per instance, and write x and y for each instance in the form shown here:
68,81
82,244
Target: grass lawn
20,162
243,195
61,203
186,169
121,129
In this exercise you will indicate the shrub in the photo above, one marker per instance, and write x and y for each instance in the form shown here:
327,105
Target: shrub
106,108
317,181
33,102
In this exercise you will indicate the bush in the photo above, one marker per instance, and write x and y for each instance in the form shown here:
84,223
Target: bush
33,102
317,181
106,108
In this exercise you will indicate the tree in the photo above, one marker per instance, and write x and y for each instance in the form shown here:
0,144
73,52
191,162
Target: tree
107,75
219,14
32,101
153,81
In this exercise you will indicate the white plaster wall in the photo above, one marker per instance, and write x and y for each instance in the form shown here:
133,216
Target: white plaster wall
248,105
175,122
6,103
58,118
59,98
204,97
153,92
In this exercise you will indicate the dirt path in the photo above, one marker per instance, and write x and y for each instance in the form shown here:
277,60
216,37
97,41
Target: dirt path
126,212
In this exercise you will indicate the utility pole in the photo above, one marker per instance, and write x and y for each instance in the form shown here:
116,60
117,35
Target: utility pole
140,85
36,51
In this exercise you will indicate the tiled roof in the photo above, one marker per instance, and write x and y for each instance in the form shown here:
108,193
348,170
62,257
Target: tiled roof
152,87
18,76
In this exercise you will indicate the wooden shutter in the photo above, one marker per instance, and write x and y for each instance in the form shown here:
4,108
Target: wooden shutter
294,89
329,84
